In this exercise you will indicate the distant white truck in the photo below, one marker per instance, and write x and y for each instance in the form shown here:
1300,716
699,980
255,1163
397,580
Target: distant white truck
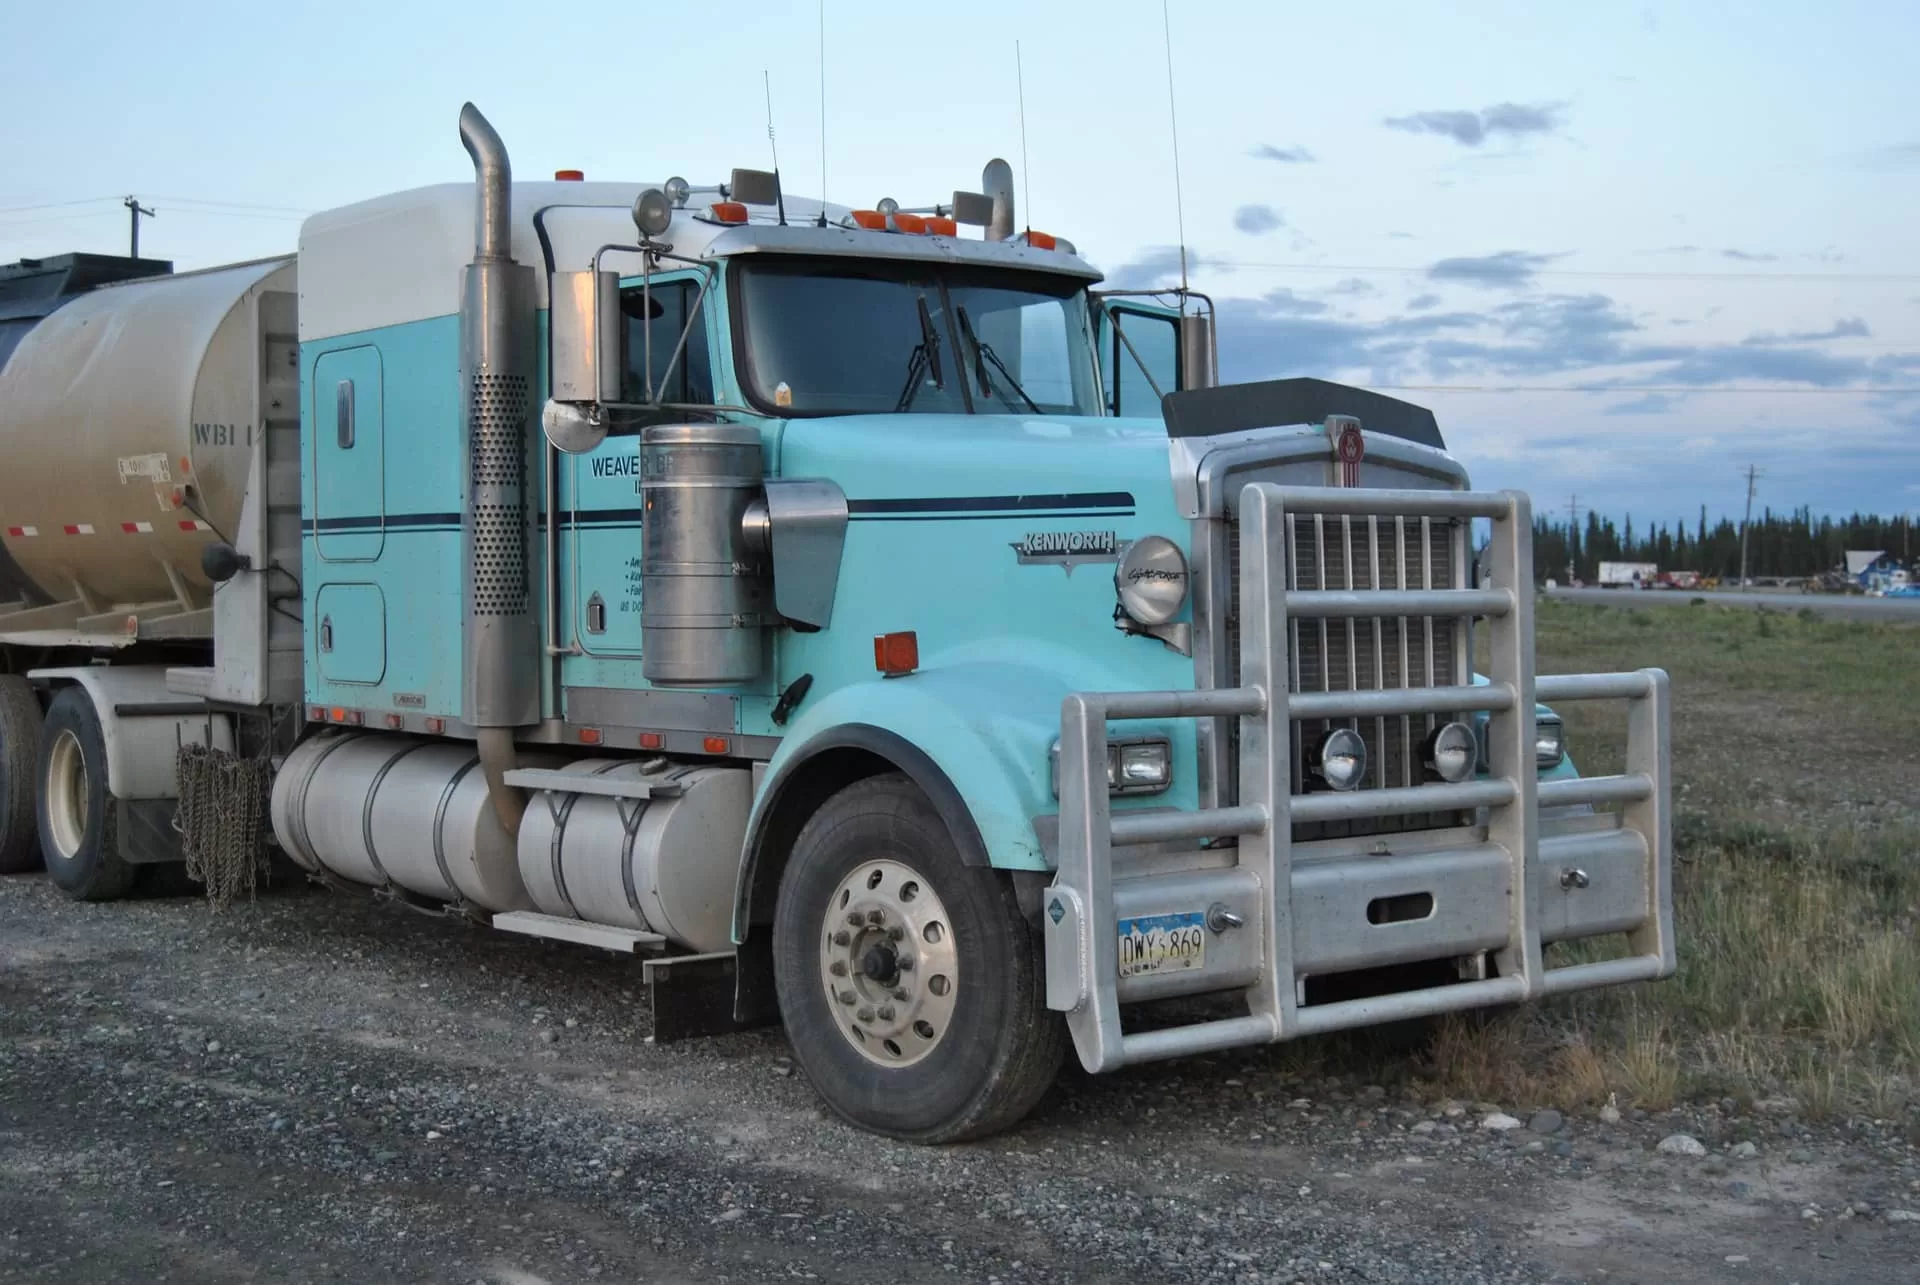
1629,575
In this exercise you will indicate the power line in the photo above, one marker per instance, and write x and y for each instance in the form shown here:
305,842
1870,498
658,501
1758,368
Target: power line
1521,276
1746,522
1573,533
1873,390
55,205
135,211
238,205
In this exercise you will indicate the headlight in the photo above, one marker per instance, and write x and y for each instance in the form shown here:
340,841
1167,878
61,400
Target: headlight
1151,580
1340,759
1453,751
1549,743
1136,765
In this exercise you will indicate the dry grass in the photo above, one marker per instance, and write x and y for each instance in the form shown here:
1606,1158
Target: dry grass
1797,763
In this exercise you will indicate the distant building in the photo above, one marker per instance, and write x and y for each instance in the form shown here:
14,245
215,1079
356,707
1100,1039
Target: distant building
1875,570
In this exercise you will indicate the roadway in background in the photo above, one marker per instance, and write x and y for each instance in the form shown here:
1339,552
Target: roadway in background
1834,605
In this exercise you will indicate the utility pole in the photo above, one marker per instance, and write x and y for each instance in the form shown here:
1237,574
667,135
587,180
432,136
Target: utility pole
1746,522
134,211
1573,532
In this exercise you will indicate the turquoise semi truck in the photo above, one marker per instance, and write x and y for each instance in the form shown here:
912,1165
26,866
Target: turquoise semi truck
866,621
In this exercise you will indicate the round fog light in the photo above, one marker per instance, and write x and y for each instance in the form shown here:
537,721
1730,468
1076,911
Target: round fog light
1342,759
1453,752
1151,580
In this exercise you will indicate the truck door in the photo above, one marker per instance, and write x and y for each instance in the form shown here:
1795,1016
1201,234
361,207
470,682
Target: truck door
1139,347
348,459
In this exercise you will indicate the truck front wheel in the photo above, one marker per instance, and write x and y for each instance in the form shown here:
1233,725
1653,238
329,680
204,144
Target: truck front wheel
77,818
910,984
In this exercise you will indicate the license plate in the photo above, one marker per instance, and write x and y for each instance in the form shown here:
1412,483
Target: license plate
1162,944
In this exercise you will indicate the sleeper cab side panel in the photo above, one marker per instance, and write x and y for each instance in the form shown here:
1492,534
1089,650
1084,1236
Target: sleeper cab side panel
394,529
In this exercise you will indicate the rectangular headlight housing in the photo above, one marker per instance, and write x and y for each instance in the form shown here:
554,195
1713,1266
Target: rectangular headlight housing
1135,765
1549,743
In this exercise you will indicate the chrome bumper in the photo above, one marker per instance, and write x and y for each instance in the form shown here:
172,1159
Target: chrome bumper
1500,891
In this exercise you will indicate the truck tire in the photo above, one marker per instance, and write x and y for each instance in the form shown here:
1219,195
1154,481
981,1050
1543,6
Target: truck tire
77,816
909,982
19,774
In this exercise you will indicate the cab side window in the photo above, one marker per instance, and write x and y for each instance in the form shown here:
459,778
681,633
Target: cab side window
1142,360
654,321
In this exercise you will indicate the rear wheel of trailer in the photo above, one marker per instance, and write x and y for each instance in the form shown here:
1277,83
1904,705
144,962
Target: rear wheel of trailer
910,983
76,813
20,721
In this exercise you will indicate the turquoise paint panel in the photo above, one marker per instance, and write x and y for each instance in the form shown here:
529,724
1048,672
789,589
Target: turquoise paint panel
346,445
352,633
410,513
941,507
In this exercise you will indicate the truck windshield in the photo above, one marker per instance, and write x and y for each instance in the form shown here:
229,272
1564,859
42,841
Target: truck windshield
838,337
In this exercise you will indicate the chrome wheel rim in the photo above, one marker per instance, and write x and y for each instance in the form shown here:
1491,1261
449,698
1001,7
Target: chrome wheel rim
67,795
888,963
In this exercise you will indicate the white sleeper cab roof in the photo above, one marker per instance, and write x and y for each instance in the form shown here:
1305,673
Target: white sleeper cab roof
397,258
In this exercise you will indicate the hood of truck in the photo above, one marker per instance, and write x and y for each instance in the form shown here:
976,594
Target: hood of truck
994,539
893,456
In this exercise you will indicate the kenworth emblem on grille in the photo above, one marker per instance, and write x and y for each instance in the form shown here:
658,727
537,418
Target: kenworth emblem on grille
1349,447
1067,549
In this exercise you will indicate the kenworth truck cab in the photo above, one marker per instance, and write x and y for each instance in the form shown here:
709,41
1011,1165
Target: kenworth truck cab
872,626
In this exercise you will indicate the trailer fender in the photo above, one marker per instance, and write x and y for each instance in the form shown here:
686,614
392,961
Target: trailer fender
974,737
144,724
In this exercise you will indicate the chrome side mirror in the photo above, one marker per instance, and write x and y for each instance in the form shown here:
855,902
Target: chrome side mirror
1199,360
587,357
583,316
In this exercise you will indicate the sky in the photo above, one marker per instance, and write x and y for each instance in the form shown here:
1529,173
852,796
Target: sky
1623,251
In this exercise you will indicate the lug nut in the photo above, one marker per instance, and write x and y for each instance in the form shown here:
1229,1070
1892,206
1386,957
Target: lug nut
894,934
886,1012
865,1015
846,997
855,918
842,937
900,992
904,963
876,916
838,968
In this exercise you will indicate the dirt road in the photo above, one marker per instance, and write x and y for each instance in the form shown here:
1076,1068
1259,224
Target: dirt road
316,1087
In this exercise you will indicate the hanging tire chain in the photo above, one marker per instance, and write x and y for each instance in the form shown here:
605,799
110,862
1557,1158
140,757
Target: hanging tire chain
221,817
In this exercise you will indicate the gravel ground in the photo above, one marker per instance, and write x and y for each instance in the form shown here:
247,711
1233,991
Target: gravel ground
317,1087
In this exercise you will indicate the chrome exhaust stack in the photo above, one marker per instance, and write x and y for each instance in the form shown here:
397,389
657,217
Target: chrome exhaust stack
499,640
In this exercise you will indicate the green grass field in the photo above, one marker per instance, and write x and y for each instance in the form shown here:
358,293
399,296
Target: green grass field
1796,759
1797,886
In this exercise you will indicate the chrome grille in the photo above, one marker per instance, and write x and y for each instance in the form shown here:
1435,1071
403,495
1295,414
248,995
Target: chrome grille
1367,654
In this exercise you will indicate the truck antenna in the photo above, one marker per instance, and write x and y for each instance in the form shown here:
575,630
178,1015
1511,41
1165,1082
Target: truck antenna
779,188
1020,88
823,113
1173,123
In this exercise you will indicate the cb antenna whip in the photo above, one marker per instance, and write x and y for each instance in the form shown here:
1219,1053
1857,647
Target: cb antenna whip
779,188
1173,123
1020,87
823,113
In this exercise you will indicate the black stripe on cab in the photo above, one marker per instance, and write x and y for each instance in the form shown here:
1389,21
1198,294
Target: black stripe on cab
1104,501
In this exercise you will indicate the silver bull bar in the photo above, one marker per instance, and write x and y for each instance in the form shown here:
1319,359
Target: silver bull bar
1271,921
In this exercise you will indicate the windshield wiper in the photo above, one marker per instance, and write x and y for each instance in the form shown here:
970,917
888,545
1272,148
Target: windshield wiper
925,360
982,355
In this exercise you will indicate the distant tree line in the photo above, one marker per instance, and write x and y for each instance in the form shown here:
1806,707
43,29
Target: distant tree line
1779,544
